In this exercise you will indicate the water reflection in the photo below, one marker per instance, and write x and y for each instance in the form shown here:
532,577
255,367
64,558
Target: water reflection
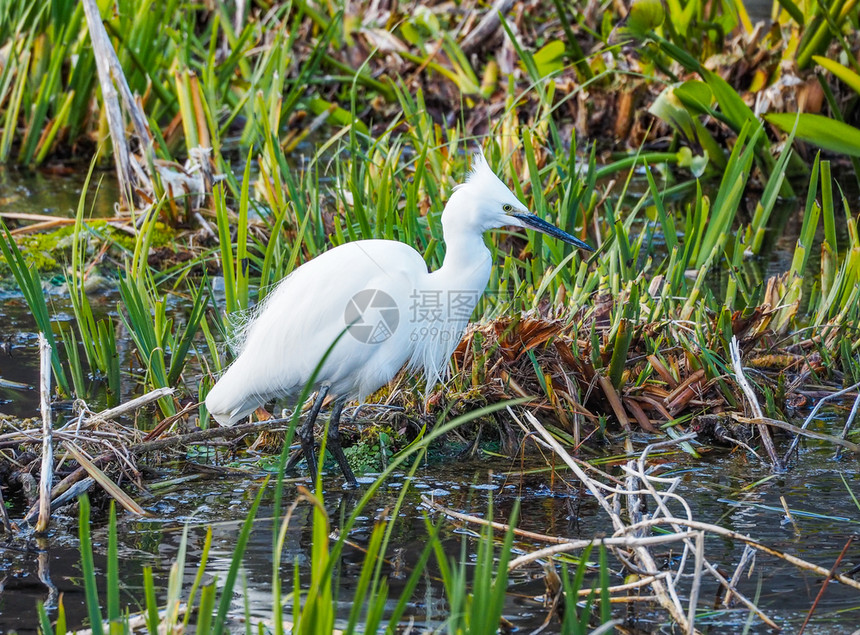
56,193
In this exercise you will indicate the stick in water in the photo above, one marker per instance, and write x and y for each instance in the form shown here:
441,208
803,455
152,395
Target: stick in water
47,441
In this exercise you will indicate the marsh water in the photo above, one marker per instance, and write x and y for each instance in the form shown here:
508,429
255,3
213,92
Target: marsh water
824,519
727,488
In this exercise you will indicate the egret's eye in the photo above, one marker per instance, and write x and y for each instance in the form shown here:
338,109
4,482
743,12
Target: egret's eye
507,208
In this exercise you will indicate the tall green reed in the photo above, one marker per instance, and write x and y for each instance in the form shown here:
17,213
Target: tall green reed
30,284
97,337
157,335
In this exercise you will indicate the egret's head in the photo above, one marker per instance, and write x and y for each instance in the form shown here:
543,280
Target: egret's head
484,202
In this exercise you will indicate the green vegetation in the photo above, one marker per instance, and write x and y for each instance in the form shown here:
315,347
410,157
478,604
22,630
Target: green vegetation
680,139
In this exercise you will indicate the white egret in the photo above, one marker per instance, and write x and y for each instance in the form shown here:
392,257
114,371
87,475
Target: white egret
395,314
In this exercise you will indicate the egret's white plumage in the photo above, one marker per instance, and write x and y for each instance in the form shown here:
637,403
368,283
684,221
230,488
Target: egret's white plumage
303,316
394,311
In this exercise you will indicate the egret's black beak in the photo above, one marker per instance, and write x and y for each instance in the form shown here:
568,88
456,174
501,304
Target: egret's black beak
539,224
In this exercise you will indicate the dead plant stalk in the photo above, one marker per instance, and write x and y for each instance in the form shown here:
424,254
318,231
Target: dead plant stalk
641,483
47,471
665,592
764,432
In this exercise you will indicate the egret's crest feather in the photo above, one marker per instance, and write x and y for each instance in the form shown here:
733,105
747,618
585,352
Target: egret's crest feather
480,175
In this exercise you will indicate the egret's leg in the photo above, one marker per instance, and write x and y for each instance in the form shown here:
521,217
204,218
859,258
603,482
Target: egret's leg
306,435
333,442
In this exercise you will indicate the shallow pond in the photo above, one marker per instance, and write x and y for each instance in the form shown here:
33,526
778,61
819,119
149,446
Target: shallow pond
825,518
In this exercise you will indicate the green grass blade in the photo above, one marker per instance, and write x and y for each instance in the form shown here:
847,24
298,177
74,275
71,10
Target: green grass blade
206,611
113,610
824,132
236,563
408,589
198,579
31,286
150,601
180,351
45,625
88,570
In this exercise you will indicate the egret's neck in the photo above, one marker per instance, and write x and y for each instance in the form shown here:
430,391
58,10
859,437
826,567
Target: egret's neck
465,252
448,296
467,260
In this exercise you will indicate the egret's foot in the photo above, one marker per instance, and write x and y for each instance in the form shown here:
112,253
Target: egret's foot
306,439
295,457
333,443
351,484
340,457
306,436
293,461
311,460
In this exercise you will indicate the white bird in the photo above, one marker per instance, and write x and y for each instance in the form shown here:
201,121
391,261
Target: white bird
378,297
